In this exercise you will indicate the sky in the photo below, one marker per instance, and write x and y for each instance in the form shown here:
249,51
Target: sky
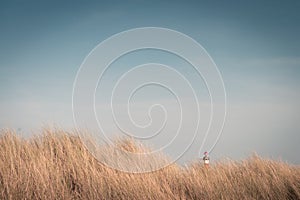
255,44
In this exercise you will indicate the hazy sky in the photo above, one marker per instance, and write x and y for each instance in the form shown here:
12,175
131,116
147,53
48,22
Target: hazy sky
255,44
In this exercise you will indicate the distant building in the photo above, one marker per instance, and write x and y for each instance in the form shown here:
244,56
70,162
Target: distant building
206,158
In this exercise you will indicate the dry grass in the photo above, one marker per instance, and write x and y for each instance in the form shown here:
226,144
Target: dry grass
57,166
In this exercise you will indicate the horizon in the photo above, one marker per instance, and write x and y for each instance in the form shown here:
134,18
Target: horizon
255,46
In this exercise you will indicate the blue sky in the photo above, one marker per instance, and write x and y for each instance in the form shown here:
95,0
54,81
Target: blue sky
255,44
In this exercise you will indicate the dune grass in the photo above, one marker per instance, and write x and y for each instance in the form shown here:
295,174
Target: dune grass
56,165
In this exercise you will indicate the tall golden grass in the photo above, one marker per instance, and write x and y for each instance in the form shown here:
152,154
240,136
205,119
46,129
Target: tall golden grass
57,166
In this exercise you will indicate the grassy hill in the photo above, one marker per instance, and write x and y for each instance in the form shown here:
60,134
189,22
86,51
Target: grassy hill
57,166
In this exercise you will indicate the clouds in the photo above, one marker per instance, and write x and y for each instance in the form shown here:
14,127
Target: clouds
29,115
266,128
